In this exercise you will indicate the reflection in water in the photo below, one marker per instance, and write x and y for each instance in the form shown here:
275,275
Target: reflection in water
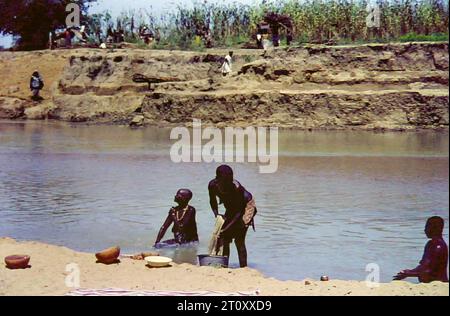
339,201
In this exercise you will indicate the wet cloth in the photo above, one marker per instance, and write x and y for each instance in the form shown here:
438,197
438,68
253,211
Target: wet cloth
214,249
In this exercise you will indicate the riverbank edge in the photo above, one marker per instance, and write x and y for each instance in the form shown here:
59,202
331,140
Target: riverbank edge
53,266
167,125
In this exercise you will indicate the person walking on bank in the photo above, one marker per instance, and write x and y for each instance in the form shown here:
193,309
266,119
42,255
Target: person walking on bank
36,85
226,66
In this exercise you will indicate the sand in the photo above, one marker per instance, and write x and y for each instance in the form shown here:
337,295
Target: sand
48,275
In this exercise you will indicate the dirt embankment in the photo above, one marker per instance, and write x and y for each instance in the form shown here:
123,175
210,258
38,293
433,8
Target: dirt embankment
379,86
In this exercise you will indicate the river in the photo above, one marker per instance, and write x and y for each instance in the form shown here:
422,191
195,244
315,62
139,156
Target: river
338,202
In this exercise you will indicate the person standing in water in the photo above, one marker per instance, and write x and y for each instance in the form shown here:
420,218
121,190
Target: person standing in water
433,266
183,219
226,66
36,85
236,200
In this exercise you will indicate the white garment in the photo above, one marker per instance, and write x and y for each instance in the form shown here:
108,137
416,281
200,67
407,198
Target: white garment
267,44
226,67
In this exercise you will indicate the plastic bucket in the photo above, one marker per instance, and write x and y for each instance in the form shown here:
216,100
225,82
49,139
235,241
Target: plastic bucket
215,261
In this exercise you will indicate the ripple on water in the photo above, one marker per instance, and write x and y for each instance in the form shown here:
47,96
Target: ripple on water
338,201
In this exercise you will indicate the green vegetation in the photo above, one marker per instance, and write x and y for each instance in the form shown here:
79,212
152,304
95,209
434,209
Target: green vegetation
231,25
413,37
342,21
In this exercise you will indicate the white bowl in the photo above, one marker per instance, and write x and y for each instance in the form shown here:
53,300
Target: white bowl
157,261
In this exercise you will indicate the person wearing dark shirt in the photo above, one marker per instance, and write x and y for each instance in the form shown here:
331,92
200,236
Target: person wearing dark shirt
36,85
433,266
235,199
183,219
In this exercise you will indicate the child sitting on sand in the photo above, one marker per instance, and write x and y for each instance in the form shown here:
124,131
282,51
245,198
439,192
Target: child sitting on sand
183,219
433,266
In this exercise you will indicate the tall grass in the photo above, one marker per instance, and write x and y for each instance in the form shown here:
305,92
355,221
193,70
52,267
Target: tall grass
314,20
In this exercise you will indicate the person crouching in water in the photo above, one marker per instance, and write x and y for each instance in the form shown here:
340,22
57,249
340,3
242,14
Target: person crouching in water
433,266
36,85
236,200
183,219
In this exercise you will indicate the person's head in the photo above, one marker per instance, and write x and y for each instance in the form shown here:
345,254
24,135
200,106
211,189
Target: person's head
225,177
183,197
434,227
36,74
230,53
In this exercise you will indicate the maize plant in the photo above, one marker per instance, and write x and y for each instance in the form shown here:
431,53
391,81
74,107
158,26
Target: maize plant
313,20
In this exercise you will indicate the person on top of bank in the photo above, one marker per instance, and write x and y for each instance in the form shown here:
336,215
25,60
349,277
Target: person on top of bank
227,64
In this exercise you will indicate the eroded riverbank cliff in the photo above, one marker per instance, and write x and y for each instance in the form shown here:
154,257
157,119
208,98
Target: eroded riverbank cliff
377,86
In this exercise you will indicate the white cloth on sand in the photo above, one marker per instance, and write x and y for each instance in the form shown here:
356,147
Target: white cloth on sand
123,292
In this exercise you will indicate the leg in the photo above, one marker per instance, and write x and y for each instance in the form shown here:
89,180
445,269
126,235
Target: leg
35,96
226,247
241,248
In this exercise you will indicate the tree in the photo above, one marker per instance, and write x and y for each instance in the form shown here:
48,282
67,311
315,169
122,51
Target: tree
32,20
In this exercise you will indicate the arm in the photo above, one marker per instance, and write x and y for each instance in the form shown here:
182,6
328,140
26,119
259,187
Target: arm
424,266
164,228
407,274
231,223
213,200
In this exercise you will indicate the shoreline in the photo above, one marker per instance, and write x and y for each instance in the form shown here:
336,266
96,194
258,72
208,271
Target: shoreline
164,125
48,274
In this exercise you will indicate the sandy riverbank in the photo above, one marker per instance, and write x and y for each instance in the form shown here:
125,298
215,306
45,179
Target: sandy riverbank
47,276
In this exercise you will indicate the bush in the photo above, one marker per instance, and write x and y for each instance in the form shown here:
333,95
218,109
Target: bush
413,37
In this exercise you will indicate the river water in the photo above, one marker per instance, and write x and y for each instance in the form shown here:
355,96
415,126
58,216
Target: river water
338,202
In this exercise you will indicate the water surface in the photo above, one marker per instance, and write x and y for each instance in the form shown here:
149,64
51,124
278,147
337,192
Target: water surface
339,201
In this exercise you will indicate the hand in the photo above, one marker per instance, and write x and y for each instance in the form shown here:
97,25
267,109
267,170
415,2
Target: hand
401,275
223,231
